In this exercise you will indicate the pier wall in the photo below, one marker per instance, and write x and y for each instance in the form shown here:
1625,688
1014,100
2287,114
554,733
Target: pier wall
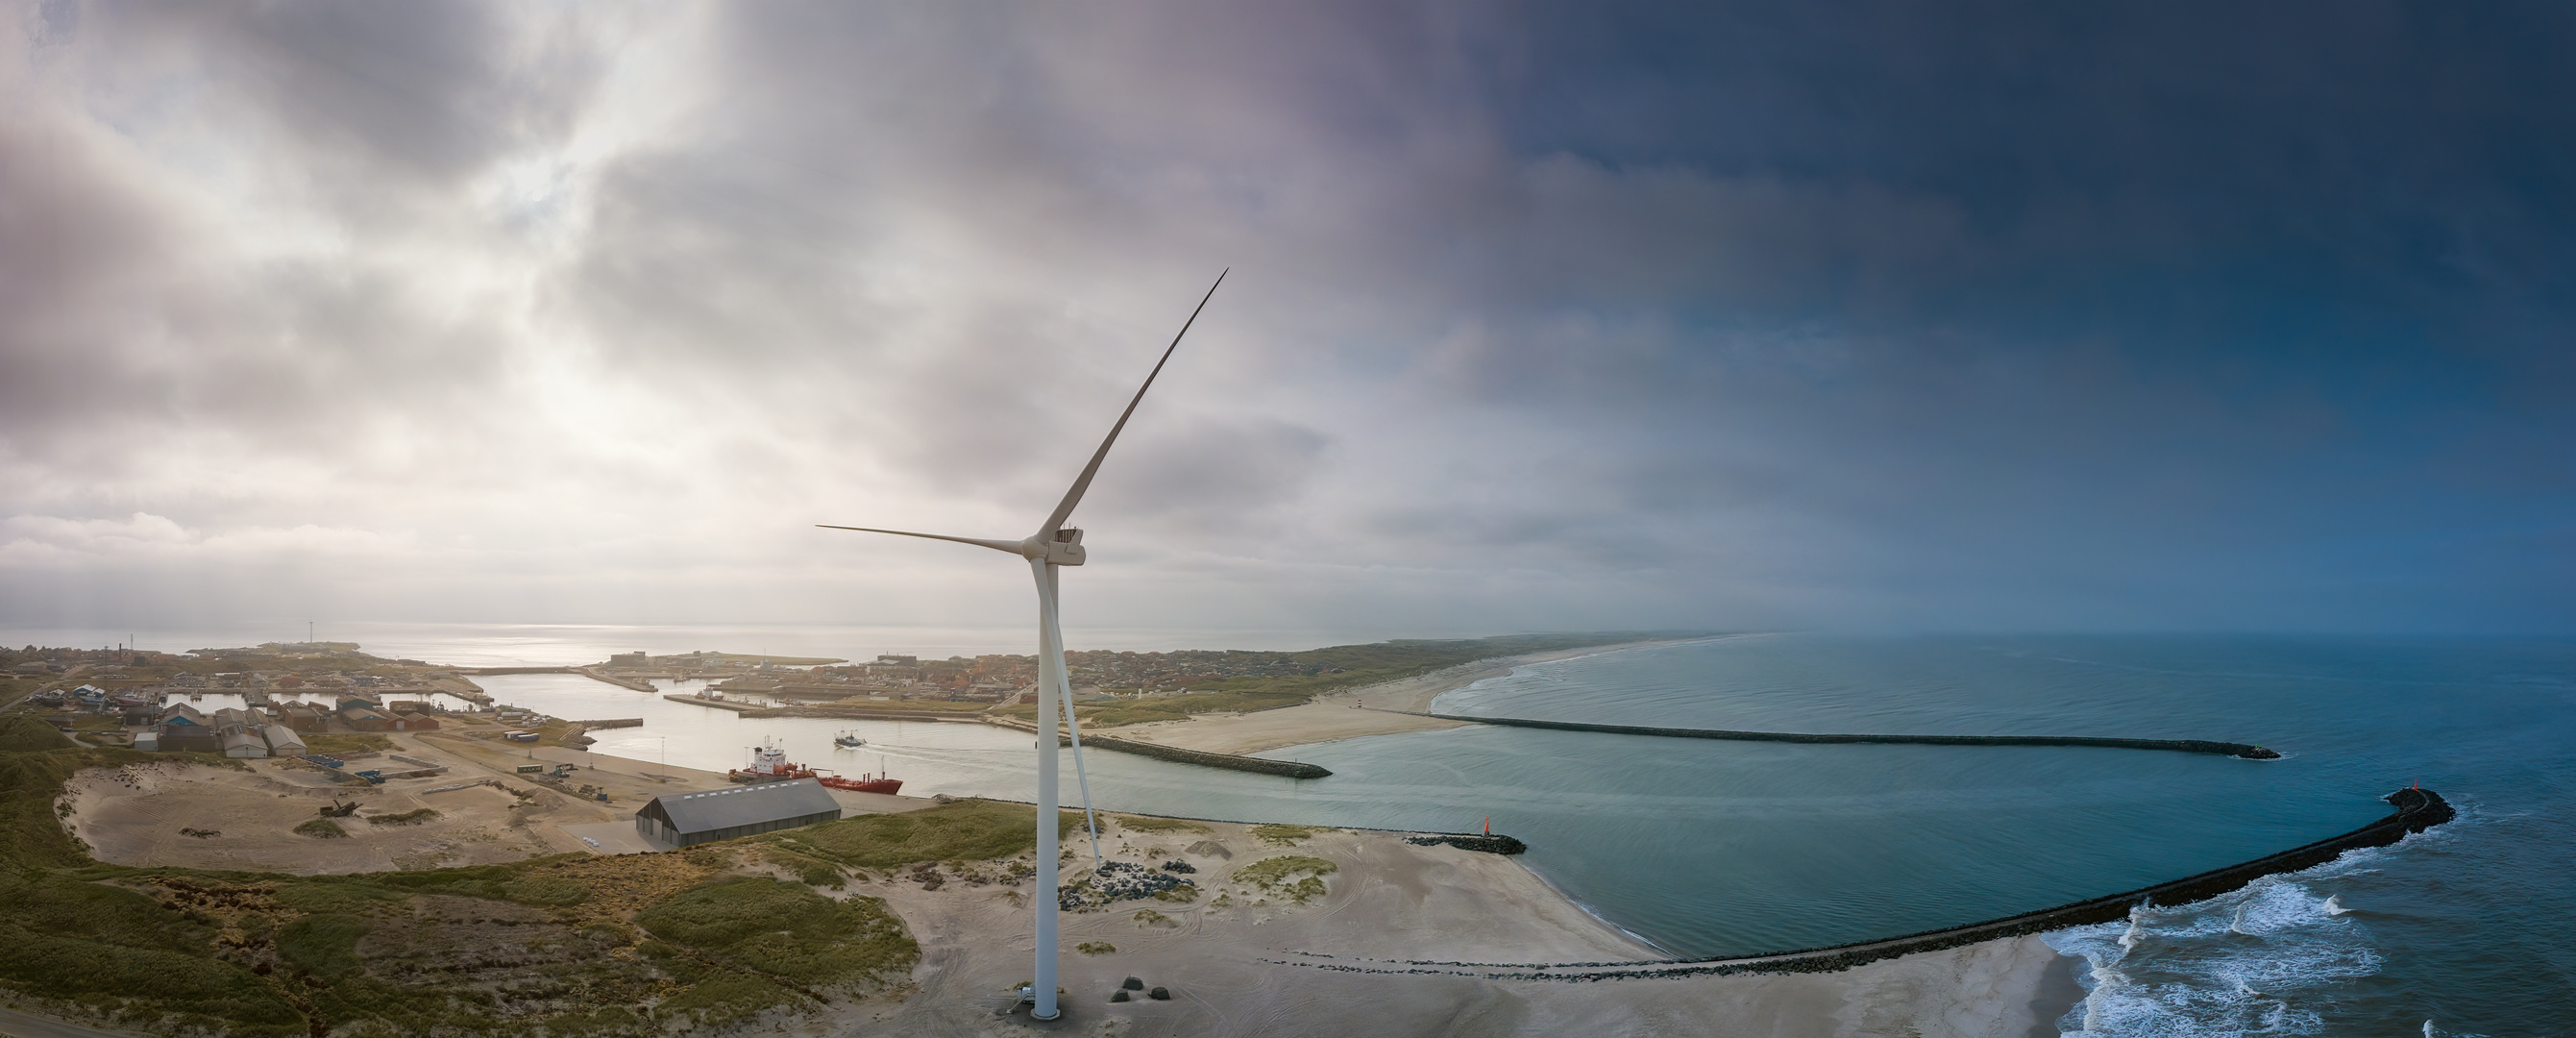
2416,811
2224,749
1231,762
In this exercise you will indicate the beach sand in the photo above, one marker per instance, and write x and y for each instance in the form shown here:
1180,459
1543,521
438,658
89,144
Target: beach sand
1389,708
1233,966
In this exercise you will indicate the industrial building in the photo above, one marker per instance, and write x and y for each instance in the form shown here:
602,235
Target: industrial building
282,741
683,819
242,742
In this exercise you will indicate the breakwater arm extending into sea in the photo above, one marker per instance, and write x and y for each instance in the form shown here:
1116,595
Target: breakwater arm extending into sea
2416,811
2247,751
1229,761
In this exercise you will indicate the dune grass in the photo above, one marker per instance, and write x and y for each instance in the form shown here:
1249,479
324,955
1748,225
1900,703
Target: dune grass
1281,835
1293,876
966,830
638,945
1150,824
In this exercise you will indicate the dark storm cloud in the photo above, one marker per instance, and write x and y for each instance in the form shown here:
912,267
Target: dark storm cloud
1543,316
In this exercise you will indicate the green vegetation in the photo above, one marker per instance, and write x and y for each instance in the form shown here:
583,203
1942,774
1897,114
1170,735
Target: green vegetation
405,818
1293,876
1095,947
1177,708
1149,824
1149,917
784,931
1314,672
1286,835
324,945
322,829
566,946
966,830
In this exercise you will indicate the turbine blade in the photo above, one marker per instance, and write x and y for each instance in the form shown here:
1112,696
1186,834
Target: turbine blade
1064,509
1012,547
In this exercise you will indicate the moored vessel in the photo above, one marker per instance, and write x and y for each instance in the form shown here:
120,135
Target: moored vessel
770,764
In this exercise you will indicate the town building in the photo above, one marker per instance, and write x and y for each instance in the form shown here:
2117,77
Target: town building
365,720
683,819
303,717
282,741
242,742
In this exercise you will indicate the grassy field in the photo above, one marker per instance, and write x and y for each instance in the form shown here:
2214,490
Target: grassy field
569,945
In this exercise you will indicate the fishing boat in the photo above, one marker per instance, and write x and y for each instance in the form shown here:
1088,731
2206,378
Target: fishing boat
770,764
848,740
876,782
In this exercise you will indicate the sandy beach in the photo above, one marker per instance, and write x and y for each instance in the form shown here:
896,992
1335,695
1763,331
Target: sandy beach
1241,960
1382,709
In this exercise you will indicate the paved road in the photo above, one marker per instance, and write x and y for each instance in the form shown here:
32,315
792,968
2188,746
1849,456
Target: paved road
14,1024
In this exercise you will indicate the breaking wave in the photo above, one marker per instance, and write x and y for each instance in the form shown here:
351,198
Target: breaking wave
2261,960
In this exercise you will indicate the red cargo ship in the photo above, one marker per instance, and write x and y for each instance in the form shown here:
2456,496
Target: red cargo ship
870,783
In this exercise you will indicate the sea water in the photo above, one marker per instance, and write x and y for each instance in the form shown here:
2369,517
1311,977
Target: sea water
2459,930
1710,848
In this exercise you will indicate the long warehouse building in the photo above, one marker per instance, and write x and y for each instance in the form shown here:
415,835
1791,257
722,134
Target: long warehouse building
682,819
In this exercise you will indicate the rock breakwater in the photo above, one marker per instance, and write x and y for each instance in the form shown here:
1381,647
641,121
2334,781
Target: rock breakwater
2247,751
2416,811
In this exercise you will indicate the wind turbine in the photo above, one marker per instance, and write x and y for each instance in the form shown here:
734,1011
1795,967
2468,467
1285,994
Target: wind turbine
1056,545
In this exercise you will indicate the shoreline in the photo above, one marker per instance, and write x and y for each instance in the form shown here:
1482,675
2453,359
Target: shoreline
1335,716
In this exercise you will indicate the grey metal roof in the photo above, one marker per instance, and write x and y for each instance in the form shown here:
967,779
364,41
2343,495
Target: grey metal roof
746,805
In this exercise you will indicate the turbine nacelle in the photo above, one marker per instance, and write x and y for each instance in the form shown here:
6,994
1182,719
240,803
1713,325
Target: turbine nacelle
1064,549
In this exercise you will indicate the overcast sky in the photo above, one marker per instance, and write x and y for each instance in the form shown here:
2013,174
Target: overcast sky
1910,317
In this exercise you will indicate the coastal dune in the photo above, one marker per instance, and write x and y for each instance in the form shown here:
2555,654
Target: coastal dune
1241,960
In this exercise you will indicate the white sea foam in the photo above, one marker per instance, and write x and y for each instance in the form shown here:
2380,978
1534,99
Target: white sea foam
2199,976
2334,905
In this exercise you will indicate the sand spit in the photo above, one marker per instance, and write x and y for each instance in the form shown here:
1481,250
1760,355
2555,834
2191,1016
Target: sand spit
1392,707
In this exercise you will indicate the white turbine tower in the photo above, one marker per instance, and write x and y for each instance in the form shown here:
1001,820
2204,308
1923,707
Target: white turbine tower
1054,545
